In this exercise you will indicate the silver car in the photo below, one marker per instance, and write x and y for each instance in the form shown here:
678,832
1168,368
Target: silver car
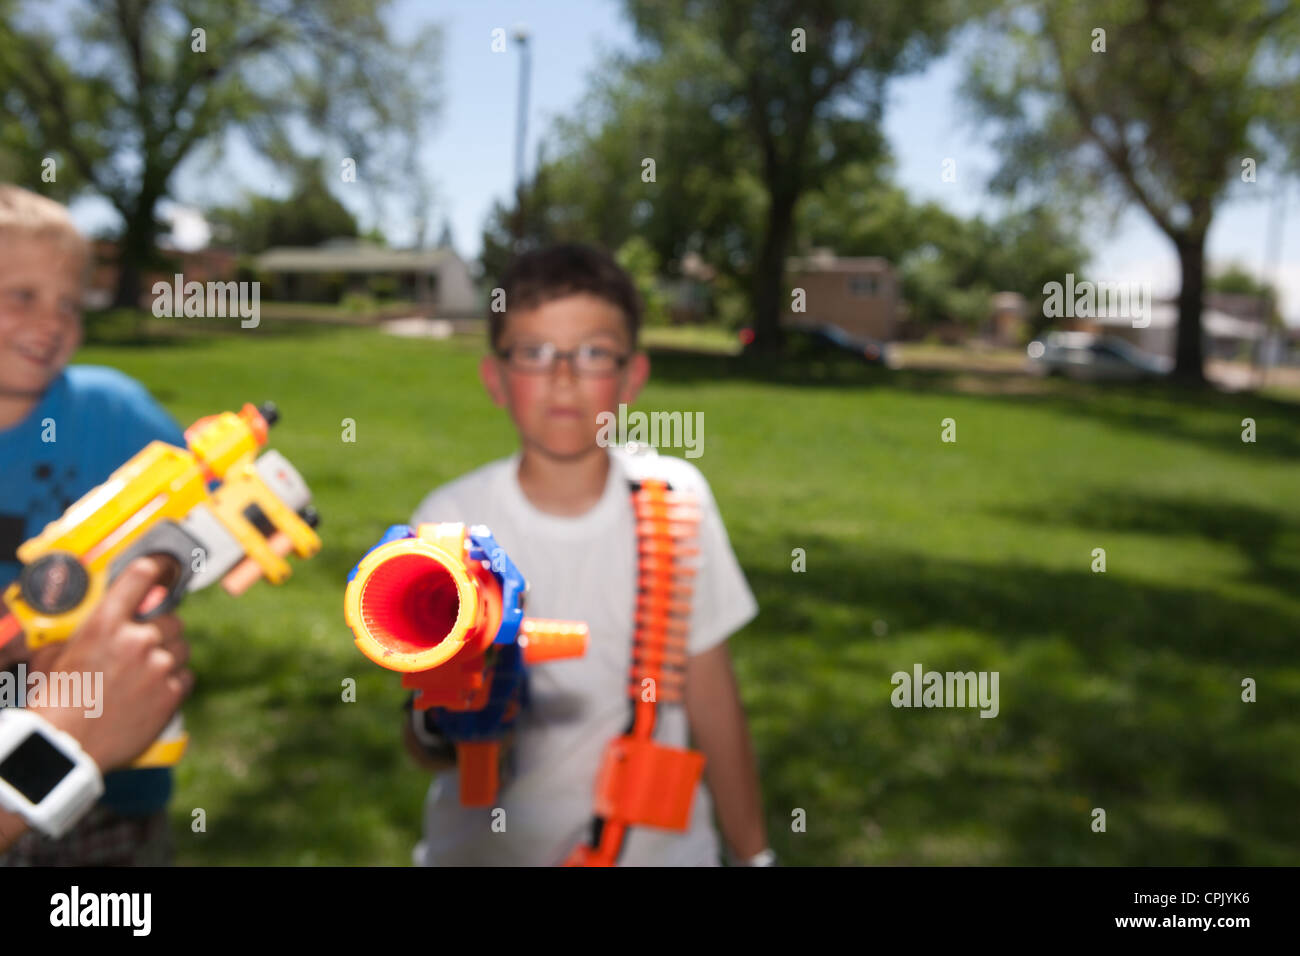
1087,357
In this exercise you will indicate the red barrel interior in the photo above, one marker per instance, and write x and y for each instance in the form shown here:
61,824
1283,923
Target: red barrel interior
410,603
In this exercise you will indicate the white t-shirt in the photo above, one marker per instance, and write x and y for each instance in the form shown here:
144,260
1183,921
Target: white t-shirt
581,568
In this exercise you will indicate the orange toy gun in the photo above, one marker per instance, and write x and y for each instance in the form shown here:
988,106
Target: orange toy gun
444,607
215,508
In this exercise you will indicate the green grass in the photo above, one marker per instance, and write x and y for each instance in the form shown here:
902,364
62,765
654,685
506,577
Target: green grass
700,338
1119,690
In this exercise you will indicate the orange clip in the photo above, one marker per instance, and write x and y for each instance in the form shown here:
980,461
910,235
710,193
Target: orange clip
642,783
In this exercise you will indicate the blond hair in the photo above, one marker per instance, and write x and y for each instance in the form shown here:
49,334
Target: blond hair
25,215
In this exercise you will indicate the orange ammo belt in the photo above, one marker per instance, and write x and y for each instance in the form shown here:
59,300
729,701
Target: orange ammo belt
640,782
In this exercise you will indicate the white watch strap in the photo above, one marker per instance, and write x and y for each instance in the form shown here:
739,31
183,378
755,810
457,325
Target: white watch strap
70,796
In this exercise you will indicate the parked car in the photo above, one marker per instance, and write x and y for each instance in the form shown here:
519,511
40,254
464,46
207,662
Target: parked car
1087,357
814,338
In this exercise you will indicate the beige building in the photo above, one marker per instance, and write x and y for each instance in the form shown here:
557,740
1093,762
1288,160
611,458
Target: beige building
860,295
438,280
1232,326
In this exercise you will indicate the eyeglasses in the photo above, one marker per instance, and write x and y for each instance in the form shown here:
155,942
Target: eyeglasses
585,359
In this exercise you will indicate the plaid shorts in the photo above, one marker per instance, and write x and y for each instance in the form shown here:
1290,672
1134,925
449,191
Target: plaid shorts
101,838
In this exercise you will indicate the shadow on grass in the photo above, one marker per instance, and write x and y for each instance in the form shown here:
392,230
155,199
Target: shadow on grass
1203,416
1114,694
324,782
683,366
1268,541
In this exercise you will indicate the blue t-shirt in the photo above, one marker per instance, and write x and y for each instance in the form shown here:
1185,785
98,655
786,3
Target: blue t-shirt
88,423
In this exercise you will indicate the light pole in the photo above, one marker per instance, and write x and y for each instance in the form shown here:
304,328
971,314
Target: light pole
521,125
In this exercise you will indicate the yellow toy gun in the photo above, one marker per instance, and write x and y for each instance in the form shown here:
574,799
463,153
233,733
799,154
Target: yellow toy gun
216,509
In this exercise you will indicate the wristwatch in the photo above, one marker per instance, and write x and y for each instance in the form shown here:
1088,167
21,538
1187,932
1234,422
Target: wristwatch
764,857
45,776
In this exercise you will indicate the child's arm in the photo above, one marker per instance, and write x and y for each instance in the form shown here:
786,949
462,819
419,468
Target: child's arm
720,732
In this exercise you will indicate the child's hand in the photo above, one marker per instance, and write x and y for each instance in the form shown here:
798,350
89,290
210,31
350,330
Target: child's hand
42,659
509,690
14,652
17,652
144,668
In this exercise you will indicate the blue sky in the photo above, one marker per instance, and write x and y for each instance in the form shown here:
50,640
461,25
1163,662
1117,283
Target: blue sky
469,155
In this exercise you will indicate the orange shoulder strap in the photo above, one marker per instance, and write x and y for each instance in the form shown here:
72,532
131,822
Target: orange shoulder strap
641,782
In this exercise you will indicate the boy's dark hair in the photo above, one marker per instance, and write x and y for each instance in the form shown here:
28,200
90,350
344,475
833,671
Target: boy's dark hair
552,272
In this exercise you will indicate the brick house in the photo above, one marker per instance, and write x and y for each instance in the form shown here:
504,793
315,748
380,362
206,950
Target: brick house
860,294
203,265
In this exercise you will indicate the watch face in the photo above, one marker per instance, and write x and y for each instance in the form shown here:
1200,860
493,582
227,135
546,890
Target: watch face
35,767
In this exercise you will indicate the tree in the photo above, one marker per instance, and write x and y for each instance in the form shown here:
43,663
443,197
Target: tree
591,182
783,91
950,267
1235,279
527,226
308,217
127,90
445,238
640,262
1153,102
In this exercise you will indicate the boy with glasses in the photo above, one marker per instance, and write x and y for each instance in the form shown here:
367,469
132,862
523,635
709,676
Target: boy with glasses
563,352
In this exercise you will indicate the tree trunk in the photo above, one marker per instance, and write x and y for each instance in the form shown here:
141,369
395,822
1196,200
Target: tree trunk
767,286
135,252
1189,363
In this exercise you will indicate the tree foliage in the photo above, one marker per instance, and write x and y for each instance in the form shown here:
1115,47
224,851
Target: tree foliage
743,106
122,92
1152,102
949,266
308,217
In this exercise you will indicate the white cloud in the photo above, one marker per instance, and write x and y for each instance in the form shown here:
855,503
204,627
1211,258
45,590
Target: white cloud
190,231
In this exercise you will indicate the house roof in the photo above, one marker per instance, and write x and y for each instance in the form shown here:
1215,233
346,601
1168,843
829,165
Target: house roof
1238,305
352,257
831,263
1165,315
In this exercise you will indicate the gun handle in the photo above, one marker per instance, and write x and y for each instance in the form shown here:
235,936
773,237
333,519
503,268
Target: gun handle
478,762
168,749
